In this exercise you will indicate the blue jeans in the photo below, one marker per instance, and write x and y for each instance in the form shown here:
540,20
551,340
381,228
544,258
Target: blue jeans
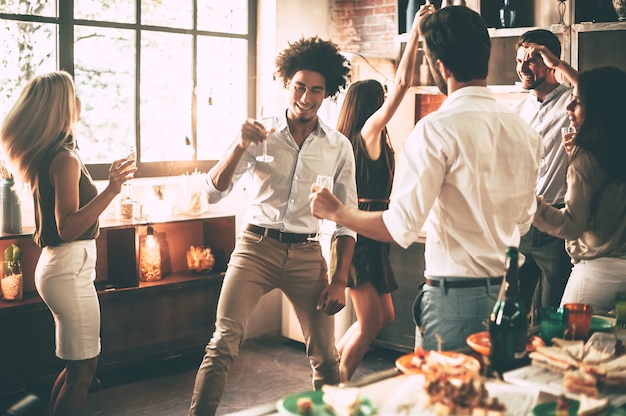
452,313
257,266
547,269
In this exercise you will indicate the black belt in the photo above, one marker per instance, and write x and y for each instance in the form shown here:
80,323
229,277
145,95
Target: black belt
279,235
472,282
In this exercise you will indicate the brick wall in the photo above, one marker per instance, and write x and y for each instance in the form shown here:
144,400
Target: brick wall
368,27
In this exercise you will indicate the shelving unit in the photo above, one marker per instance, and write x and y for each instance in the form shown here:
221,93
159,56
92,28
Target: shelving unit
140,320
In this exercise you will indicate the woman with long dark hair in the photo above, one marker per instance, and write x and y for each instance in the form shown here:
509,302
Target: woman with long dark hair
593,222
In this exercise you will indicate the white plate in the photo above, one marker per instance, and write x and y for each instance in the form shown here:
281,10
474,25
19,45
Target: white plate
548,381
410,399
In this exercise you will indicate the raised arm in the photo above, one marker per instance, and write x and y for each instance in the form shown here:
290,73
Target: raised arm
403,80
552,61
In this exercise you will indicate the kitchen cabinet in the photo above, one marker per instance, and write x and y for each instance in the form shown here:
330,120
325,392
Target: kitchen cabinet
408,270
141,321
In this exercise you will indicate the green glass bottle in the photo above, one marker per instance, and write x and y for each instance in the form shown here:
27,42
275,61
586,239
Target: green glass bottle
508,322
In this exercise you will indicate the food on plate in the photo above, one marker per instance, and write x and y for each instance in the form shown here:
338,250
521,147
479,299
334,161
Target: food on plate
304,406
591,406
586,366
342,401
434,364
574,349
580,382
563,405
553,357
457,397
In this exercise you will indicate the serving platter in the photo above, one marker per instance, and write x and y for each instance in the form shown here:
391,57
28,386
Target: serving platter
481,343
289,405
407,363
543,379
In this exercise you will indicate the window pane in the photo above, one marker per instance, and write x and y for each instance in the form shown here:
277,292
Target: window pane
223,16
28,49
222,93
169,13
105,82
122,11
166,88
33,7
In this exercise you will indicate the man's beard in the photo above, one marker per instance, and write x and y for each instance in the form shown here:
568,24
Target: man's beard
535,84
439,81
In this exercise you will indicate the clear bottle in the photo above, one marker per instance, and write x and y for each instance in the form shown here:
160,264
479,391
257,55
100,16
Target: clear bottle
508,322
127,202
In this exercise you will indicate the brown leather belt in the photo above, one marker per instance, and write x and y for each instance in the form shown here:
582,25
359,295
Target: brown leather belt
279,235
466,283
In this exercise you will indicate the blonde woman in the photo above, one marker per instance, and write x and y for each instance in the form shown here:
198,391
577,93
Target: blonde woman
38,141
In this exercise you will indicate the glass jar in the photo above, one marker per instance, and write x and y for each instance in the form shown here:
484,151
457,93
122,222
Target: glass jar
12,282
149,257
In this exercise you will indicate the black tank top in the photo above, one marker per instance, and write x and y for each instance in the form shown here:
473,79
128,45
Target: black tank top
46,232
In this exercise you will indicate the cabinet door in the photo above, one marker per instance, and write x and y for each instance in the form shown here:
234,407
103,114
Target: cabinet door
598,44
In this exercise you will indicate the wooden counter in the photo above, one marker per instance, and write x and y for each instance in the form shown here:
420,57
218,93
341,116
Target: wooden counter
141,321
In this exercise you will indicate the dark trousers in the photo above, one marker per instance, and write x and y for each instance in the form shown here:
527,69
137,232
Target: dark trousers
545,273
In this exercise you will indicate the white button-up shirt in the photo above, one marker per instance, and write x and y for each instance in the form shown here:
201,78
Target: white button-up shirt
280,189
471,168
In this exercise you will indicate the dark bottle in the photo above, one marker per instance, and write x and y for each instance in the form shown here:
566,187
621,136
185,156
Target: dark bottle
508,323
507,14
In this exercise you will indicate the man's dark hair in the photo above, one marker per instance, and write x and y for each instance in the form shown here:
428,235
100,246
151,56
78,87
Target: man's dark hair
541,37
314,54
458,37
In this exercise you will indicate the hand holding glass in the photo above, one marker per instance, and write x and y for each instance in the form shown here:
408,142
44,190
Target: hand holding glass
269,124
567,134
324,182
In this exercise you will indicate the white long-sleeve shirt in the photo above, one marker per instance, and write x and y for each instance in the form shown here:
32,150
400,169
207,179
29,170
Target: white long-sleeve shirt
471,168
280,189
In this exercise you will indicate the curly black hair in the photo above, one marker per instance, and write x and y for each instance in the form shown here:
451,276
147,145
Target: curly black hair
314,54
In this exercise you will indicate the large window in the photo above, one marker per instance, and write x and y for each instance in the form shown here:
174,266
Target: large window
173,78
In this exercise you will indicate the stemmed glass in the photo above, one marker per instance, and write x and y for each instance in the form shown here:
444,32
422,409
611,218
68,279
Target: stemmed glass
567,134
325,182
269,124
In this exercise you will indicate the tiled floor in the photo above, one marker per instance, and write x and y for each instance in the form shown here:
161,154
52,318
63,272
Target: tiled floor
265,371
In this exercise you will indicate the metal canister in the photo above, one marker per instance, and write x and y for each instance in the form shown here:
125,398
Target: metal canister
10,205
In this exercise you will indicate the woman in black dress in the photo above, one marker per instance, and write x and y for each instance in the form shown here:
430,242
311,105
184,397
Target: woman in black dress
363,119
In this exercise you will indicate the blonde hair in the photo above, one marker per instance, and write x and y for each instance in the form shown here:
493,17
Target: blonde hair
42,118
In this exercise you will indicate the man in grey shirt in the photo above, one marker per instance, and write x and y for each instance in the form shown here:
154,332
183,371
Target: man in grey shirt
547,266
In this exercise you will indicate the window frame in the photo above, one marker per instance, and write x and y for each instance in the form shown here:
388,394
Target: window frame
65,54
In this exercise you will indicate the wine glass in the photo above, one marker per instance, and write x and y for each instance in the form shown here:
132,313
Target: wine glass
269,123
568,133
325,182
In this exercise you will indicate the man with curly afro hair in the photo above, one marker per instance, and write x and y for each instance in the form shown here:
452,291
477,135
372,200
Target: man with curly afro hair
316,55
278,246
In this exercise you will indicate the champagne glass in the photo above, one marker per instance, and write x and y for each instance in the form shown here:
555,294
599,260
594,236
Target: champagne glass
325,182
567,134
269,123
